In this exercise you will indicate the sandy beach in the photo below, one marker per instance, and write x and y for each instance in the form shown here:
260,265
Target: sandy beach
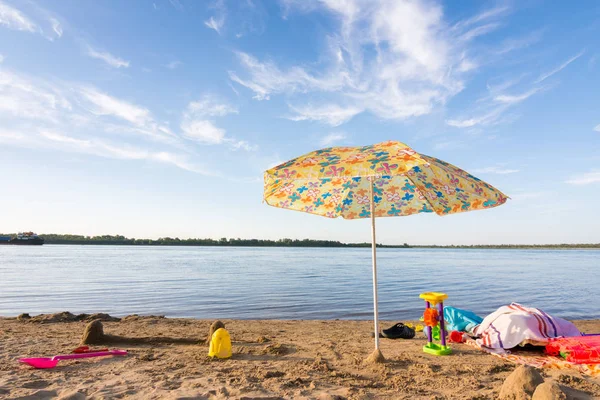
271,360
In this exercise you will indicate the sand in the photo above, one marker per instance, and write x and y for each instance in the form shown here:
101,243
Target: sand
272,360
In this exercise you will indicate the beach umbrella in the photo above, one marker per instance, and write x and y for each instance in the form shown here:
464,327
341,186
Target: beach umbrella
387,179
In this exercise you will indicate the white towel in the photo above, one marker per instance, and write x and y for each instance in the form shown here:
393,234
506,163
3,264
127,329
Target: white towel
514,325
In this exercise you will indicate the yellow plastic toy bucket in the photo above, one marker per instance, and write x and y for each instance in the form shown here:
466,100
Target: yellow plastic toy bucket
220,344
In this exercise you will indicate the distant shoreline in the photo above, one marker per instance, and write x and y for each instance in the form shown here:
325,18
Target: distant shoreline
119,240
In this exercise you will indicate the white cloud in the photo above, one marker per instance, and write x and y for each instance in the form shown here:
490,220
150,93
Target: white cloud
56,27
210,107
68,117
330,114
14,19
173,64
197,125
267,78
488,118
559,68
498,86
332,138
104,149
597,128
22,99
585,179
202,131
215,24
242,144
495,170
520,43
512,99
483,16
495,105
103,104
108,58
395,59
479,31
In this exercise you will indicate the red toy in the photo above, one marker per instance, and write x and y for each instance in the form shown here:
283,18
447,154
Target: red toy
576,349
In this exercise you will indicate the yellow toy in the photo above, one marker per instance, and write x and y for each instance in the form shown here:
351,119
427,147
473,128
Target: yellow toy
220,344
433,318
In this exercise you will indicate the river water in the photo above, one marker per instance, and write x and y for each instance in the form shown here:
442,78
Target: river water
291,283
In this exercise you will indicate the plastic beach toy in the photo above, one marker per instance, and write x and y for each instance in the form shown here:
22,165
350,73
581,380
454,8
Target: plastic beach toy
220,344
47,362
435,318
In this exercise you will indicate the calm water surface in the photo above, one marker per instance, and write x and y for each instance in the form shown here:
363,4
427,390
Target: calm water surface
290,283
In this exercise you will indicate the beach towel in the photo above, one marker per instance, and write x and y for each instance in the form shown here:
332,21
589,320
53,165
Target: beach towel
538,360
515,325
460,320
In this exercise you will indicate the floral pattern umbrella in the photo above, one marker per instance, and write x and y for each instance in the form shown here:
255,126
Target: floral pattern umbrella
387,179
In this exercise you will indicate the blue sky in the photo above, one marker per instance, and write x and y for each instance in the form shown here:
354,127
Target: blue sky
158,118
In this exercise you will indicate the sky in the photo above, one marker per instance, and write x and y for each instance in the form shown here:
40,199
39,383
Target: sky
154,119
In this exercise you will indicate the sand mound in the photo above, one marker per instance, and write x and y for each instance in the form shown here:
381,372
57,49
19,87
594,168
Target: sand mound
66,316
375,358
549,391
215,326
521,384
93,333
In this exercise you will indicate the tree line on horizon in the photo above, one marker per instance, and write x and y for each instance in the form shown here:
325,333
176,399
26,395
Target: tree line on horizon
52,238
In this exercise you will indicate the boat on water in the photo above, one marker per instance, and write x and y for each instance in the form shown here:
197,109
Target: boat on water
22,238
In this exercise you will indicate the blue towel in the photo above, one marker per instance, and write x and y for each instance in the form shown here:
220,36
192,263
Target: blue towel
460,320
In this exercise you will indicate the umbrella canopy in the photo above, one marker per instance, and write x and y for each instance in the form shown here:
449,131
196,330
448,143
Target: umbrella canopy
336,182
387,179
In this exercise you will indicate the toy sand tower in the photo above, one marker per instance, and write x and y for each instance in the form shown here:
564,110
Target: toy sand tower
432,319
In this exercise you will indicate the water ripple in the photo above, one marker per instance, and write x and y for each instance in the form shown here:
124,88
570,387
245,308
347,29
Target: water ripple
290,283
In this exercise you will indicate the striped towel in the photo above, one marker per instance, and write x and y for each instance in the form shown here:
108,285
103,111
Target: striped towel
514,325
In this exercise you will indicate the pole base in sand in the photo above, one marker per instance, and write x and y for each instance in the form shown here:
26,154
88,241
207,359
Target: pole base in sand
375,358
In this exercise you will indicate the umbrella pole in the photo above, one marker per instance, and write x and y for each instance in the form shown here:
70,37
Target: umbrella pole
374,256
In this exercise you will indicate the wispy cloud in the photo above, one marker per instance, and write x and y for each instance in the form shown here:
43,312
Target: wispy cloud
104,149
519,43
266,79
559,68
332,138
198,124
217,22
108,58
495,170
44,22
202,131
487,118
103,104
330,114
391,58
513,99
492,108
597,128
585,178
74,118
208,106
173,64
12,18
56,27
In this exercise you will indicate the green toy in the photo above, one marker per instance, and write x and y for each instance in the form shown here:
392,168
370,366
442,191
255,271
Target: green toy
434,320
